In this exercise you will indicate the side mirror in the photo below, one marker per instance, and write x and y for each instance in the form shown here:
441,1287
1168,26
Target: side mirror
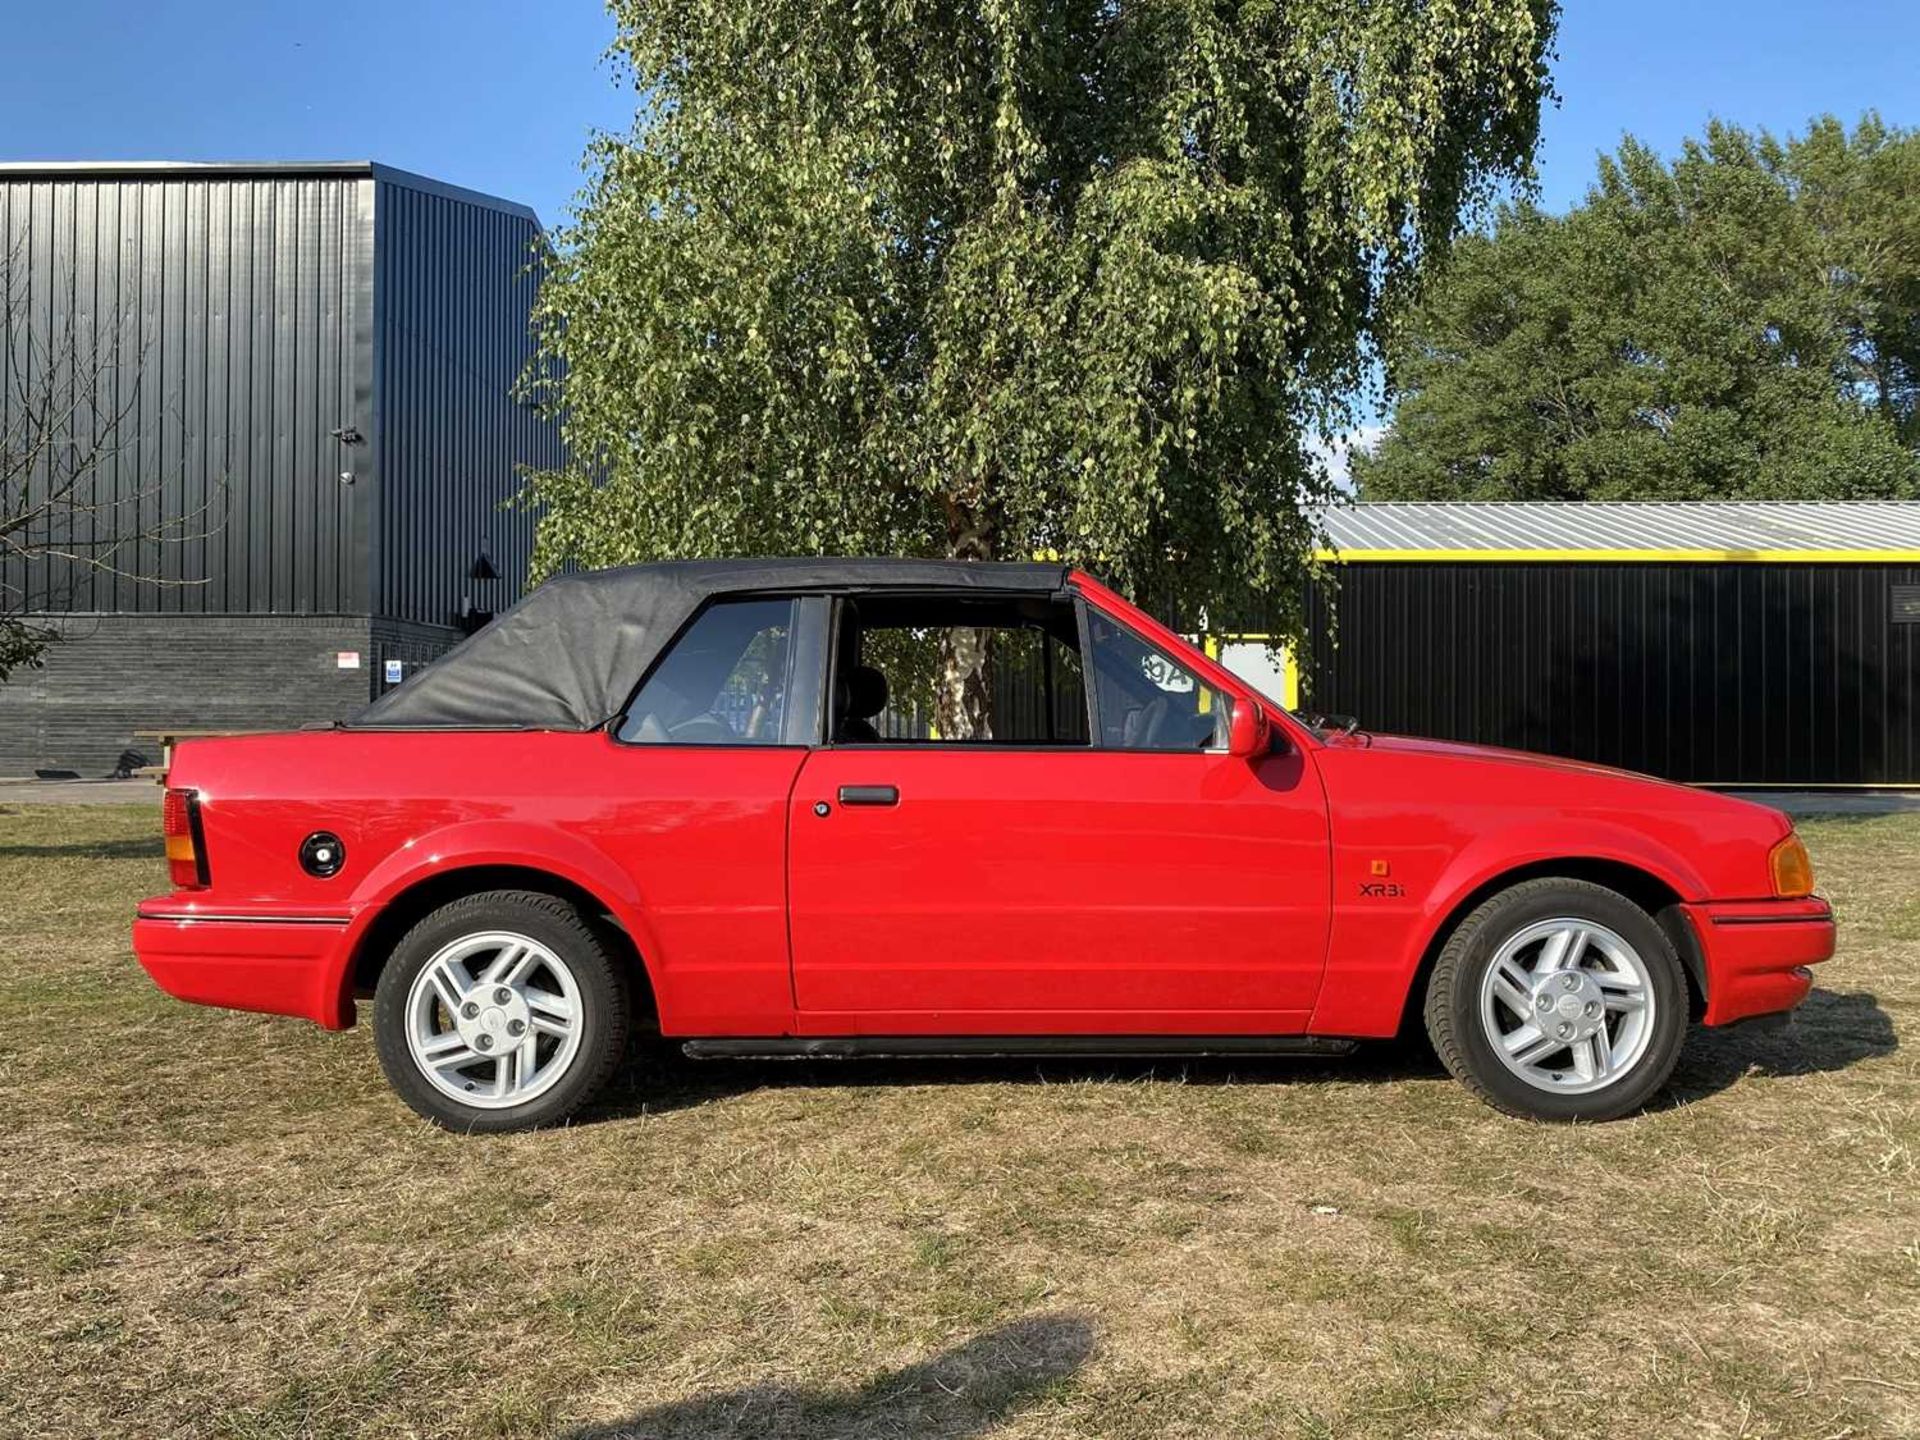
1248,735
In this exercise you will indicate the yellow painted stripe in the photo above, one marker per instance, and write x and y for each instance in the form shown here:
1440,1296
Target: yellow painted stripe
1697,557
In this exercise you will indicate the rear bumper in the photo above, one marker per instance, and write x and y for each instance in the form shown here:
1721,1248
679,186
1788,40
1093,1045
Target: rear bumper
279,966
1757,952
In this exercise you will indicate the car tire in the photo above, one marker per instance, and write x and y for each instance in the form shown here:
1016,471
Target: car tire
1559,999
501,1011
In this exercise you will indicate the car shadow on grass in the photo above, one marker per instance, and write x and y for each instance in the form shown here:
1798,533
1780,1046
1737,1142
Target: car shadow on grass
965,1391
659,1079
1831,1031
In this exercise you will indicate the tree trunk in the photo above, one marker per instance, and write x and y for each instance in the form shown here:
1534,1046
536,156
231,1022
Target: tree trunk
963,702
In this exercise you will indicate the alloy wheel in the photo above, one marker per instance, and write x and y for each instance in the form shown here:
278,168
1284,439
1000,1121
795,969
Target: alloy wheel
1568,1006
494,1019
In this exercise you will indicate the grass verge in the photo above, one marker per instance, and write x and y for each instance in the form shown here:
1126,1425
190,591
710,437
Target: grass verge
222,1225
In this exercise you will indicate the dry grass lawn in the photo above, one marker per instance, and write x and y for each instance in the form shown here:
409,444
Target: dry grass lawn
220,1224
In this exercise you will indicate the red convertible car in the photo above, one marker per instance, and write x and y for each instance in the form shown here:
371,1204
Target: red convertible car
719,801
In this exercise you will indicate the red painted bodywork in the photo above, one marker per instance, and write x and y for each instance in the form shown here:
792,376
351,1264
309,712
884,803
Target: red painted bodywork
1079,891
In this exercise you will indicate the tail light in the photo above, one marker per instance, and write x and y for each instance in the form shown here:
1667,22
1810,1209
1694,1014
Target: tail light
186,846
1792,870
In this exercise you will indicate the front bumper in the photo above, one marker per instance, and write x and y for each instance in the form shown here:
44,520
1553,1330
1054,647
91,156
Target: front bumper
276,965
1756,953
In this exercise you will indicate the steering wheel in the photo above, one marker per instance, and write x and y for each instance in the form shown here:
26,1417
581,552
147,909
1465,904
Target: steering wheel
705,729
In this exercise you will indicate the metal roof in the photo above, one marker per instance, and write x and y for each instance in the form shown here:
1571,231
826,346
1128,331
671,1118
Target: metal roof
253,169
1700,530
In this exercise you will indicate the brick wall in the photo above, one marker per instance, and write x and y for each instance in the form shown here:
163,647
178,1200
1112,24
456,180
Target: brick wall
115,674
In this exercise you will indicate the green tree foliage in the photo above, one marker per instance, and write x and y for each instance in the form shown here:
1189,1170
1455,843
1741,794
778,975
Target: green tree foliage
992,278
1742,323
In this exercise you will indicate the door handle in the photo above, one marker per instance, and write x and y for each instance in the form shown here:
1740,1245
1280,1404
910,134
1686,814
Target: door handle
869,795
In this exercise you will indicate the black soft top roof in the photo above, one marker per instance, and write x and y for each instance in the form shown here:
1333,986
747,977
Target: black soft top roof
568,656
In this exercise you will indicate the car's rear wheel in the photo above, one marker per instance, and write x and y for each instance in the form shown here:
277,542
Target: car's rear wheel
1559,1000
501,1011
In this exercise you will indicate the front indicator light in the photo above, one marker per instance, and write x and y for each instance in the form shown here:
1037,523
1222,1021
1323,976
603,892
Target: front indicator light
1792,870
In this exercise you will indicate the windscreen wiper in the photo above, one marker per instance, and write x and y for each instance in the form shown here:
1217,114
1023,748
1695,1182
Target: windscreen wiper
1343,725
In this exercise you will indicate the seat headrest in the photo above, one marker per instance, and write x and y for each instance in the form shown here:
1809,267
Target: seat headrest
866,692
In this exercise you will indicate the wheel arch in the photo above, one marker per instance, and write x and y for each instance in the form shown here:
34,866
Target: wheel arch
372,947
1653,893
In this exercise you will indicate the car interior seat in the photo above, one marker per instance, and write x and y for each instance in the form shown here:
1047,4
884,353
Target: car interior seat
861,694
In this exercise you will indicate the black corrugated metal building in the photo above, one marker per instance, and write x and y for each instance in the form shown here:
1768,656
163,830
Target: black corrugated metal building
1722,643
305,375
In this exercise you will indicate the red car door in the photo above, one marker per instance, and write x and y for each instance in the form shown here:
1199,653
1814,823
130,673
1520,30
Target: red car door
943,889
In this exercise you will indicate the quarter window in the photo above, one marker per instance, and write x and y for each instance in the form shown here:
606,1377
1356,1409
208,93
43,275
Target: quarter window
1145,699
725,682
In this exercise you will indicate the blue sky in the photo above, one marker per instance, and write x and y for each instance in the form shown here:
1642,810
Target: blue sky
493,95
501,96
1660,70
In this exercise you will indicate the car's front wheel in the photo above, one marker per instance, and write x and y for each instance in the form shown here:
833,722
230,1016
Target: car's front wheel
500,1011
1559,1000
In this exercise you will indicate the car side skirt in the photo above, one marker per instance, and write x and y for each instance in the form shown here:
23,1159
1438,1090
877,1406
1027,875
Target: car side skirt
849,1047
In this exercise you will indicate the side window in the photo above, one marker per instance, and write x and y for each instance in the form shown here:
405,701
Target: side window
724,682
1145,699
901,660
